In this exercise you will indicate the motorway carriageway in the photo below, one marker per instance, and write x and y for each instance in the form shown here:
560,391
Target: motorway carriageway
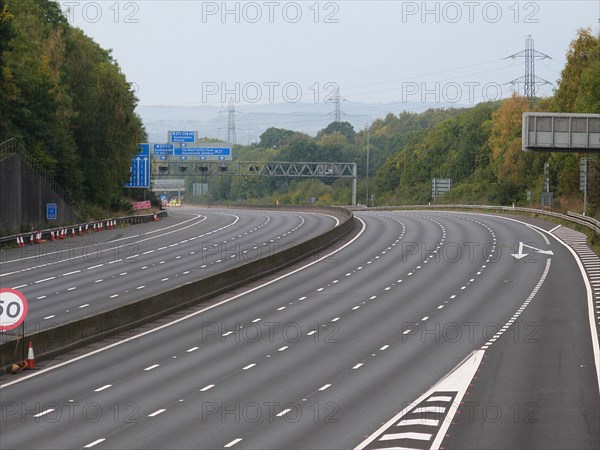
421,330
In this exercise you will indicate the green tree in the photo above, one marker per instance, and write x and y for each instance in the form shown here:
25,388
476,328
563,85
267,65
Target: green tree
278,137
343,128
7,87
67,100
576,81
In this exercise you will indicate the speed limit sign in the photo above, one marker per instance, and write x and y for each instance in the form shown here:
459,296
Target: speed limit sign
13,309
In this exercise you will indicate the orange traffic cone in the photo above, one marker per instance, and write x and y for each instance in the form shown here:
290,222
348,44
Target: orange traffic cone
156,219
30,357
87,230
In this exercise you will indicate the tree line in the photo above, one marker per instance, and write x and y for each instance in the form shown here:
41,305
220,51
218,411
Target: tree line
479,148
66,99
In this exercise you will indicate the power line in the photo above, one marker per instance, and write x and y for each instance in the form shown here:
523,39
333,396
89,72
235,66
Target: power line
231,139
337,111
529,80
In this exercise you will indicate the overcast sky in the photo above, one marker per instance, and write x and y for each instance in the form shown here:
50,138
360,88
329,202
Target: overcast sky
200,53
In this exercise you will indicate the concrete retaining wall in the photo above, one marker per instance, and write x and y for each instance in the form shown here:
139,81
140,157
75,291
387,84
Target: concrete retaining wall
24,195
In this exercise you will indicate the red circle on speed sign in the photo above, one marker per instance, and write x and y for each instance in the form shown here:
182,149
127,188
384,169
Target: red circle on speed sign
13,309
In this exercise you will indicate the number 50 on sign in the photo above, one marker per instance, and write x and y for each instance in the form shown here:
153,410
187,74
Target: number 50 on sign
13,309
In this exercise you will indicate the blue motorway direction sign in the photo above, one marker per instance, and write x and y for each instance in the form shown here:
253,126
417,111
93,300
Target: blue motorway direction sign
220,152
162,149
182,136
140,168
51,211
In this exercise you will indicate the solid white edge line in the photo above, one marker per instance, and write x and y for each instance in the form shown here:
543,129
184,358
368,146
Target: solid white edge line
195,313
540,233
591,313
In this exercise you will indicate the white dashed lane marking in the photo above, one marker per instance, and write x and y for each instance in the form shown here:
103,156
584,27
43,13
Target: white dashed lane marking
100,389
96,442
43,413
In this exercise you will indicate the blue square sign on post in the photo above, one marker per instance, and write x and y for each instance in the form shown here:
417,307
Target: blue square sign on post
140,168
51,211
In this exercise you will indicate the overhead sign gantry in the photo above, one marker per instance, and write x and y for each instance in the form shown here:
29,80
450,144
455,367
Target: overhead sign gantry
184,155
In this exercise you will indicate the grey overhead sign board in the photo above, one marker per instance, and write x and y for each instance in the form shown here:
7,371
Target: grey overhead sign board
561,132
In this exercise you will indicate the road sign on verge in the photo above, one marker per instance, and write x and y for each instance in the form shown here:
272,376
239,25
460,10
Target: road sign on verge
547,199
13,308
51,211
140,168
439,186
